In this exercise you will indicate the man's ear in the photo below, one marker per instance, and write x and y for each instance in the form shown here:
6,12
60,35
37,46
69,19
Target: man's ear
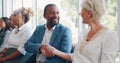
44,15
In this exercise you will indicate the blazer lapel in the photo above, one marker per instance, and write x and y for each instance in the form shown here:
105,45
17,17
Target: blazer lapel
42,32
54,34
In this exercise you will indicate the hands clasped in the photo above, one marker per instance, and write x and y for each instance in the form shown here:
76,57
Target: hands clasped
47,50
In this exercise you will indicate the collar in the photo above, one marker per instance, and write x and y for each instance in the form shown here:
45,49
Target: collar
51,28
23,26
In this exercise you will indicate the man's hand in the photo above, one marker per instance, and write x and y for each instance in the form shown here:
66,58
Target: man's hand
47,50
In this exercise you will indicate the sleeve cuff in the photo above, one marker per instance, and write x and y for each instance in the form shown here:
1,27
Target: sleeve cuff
21,50
71,55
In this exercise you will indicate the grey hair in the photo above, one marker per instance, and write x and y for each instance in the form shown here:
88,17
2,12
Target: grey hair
97,7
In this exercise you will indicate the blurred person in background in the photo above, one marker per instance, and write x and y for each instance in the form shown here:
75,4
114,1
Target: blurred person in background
14,47
4,30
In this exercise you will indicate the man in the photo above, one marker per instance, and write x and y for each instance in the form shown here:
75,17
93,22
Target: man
52,33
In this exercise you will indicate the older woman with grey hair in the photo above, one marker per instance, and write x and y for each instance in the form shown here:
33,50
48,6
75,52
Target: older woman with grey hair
97,44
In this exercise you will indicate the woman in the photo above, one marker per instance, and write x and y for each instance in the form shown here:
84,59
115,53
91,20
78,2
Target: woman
10,26
97,44
10,22
14,47
4,29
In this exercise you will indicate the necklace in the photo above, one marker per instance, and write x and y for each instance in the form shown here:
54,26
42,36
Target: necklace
16,31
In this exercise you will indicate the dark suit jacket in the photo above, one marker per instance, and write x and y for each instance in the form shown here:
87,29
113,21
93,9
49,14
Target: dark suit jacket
61,39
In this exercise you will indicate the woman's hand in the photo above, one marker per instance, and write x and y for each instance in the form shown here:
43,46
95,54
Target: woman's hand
1,55
47,50
2,60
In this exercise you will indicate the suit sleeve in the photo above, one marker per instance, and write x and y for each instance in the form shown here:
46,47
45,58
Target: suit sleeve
31,45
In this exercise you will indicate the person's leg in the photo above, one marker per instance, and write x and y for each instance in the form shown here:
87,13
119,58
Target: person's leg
32,59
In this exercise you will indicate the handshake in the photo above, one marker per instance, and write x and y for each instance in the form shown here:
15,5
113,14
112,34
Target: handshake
48,50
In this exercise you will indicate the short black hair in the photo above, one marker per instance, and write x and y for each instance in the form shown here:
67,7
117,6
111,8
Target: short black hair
5,19
45,9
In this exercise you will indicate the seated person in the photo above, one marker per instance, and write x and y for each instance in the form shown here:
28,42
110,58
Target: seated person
10,26
97,43
4,29
53,33
14,47
10,23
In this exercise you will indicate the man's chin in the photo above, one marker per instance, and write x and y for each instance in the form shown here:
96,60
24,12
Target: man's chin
52,25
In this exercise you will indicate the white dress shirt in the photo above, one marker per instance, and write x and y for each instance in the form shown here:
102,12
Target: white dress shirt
18,37
46,40
102,48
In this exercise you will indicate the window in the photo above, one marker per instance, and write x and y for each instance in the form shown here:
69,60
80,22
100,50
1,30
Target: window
1,8
110,18
118,29
69,13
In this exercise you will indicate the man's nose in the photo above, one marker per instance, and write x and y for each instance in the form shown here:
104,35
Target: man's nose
56,15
